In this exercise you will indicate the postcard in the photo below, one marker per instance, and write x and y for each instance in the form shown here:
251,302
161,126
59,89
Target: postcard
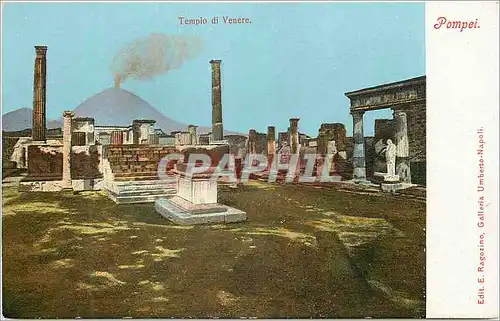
250,160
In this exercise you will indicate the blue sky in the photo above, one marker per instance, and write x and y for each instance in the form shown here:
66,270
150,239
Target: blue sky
293,60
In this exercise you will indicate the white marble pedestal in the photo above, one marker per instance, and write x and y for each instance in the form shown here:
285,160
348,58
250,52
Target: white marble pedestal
196,203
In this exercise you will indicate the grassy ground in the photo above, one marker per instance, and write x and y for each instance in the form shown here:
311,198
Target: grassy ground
304,252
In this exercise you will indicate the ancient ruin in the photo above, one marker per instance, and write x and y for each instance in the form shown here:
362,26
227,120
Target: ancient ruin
123,160
407,100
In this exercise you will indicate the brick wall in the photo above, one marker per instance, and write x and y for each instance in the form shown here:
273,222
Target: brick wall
85,164
45,162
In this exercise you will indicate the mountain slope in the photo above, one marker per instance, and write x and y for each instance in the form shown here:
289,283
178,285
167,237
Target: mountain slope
116,106
111,107
22,118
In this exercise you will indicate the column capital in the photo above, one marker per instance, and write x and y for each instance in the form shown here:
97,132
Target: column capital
41,51
399,112
68,113
357,113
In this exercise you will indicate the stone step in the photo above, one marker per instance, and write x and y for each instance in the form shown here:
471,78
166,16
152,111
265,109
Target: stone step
142,187
149,182
150,192
133,199
135,174
133,168
136,178
134,158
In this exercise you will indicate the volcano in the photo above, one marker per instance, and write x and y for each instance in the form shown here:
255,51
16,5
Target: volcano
116,106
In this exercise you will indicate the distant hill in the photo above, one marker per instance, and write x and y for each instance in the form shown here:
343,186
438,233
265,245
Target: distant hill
116,106
21,119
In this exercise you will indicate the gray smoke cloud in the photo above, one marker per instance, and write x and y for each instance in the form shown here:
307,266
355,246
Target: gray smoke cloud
151,56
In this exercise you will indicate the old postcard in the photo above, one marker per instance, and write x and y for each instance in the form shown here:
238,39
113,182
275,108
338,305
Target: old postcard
250,160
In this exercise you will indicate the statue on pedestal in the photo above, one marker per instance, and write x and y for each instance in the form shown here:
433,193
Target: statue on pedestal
390,158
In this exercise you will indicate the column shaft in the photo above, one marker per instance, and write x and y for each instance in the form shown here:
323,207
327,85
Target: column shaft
66,174
217,128
402,146
39,94
359,165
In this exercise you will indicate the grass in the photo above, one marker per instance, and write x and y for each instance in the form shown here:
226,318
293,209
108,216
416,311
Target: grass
304,252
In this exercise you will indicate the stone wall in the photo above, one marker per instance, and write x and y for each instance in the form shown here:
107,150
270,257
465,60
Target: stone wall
416,117
85,163
384,129
236,143
45,162
8,144
216,152
261,143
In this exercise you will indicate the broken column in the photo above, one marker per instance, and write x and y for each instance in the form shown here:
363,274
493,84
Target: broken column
39,94
321,143
252,138
294,135
359,171
192,133
402,148
217,128
66,172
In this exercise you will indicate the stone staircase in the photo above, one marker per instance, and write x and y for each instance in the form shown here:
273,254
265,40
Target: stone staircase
131,173
143,191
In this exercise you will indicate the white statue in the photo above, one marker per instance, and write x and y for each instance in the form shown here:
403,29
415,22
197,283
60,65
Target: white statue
331,149
390,158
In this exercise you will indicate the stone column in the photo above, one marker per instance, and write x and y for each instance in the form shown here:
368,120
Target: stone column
66,173
252,135
271,140
217,128
402,147
271,145
39,94
359,172
294,135
321,143
192,132
116,137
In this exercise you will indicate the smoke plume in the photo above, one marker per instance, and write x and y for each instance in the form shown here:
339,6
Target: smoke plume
151,56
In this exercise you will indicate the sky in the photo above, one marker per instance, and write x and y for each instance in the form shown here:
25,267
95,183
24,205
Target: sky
292,60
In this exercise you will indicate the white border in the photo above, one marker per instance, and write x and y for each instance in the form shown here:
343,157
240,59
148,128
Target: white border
462,96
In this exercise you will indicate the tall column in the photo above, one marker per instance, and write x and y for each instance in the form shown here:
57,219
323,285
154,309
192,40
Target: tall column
39,94
271,145
271,140
359,173
294,135
217,129
66,173
402,146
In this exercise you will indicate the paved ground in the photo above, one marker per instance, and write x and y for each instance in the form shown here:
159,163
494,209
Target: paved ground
304,252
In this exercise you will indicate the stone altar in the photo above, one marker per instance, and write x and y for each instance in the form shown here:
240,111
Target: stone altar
196,201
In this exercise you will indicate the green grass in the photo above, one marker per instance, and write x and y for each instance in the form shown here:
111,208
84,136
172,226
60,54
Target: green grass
67,255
